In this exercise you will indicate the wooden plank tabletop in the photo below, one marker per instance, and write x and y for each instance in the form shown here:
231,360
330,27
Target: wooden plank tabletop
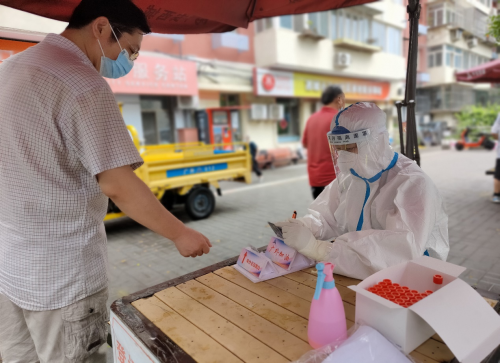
224,317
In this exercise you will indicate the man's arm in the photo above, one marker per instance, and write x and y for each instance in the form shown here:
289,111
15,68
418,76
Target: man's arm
304,138
134,198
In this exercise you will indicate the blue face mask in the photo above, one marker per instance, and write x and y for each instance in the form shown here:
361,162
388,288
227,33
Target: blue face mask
115,68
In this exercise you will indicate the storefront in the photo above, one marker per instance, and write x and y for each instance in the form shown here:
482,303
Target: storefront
10,47
299,94
224,89
159,98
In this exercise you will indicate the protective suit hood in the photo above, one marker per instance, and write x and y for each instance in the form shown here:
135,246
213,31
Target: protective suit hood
362,123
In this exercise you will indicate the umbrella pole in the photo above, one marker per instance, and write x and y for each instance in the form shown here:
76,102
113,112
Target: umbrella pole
411,150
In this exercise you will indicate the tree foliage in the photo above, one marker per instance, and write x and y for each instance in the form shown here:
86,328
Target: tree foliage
478,117
494,27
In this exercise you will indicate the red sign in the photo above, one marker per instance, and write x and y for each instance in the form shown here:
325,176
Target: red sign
10,47
268,82
158,75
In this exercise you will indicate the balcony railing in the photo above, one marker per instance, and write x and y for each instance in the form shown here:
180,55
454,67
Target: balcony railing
470,19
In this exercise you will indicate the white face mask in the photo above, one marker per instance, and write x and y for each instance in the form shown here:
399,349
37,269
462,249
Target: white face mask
346,160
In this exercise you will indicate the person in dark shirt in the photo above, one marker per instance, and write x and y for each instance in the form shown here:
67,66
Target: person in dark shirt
319,160
253,152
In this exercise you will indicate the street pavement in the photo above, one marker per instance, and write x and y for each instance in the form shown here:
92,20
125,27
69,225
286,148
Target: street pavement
139,258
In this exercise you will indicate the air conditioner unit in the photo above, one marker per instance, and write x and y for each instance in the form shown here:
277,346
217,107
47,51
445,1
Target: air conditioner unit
258,111
456,34
343,60
187,102
471,43
276,111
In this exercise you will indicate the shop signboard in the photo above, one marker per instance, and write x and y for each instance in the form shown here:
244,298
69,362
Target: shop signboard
273,83
296,84
158,75
10,47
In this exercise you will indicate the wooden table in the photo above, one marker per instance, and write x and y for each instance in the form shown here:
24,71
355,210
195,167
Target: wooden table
218,315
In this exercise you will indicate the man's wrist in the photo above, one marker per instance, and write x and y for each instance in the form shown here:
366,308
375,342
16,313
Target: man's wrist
177,230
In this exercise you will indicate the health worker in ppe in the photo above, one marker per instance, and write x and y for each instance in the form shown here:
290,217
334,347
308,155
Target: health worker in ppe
381,210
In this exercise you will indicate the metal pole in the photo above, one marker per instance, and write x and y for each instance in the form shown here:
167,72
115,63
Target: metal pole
411,149
399,104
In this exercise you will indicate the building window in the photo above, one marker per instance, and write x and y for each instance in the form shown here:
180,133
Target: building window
458,58
444,14
318,23
435,58
394,41
288,128
263,24
379,34
286,21
435,16
333,25
364,26
227,99
466,60
454,57
345,24
298,23
449,55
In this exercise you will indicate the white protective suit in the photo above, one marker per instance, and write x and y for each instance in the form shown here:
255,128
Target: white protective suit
394,215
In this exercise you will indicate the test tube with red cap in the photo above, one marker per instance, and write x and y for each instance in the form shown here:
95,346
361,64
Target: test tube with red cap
437,281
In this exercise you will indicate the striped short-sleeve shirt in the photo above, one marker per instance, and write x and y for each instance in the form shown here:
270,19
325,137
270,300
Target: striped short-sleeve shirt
60,126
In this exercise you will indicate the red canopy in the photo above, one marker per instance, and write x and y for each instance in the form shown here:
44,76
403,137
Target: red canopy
485,73
193,16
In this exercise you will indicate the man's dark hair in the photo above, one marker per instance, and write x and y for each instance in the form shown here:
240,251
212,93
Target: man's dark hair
330,94
123,15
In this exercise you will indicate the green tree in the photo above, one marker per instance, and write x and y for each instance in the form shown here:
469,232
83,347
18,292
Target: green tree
494,27
478,117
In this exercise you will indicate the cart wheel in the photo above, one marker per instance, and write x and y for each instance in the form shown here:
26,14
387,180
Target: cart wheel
200,203
459,146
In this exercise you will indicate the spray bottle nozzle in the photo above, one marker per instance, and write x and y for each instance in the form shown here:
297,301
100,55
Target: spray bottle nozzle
321,279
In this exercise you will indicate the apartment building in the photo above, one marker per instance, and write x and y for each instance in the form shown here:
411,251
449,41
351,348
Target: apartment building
456,40
297,56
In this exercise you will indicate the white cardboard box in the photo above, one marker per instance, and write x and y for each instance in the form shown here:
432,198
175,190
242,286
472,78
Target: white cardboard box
462,318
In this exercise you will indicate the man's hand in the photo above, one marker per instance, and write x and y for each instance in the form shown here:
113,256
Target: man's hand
134,198
192,243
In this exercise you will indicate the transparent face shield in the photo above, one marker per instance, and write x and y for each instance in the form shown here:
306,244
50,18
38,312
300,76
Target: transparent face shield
344,147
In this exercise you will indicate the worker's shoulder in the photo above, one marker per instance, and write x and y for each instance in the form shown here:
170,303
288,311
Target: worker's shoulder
410,168
62,68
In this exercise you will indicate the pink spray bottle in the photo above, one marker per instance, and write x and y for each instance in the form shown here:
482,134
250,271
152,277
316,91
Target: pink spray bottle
327,316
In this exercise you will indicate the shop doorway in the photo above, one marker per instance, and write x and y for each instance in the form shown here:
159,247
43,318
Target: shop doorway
224,124
221,127
158,119
149,128
288,127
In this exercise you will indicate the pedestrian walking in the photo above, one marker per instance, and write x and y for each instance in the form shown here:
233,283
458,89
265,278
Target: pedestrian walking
319,160
495,131
64,149
253,152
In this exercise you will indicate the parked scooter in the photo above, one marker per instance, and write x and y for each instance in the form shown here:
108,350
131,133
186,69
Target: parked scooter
483,141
